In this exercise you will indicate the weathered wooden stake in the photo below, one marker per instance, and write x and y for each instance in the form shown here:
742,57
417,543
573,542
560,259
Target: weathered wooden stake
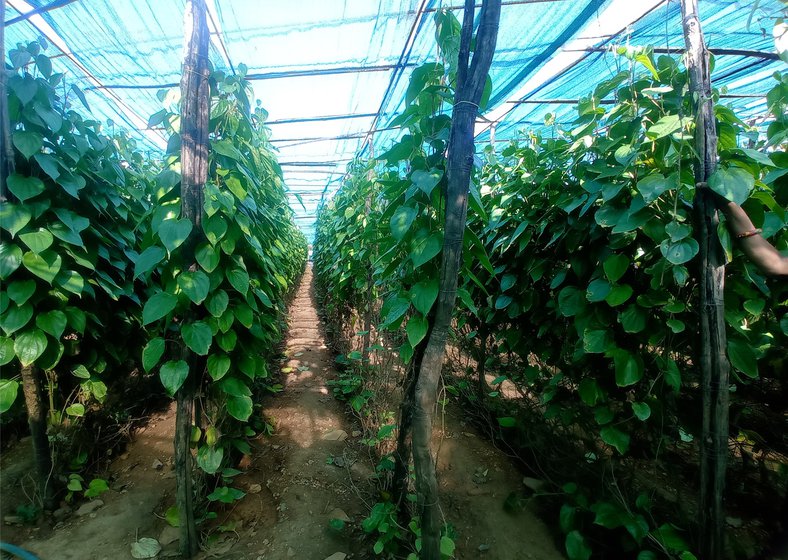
471,79
195,97
713,361
37,422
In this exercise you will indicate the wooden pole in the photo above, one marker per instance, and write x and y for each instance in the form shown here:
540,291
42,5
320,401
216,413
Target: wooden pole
713,361
195,94
471,79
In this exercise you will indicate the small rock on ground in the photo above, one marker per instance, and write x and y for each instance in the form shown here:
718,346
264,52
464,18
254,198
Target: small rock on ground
89,507
335,435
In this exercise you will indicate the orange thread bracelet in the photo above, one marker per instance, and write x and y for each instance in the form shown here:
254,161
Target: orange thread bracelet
750,233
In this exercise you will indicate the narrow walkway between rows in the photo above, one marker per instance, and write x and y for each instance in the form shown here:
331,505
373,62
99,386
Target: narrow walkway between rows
312,481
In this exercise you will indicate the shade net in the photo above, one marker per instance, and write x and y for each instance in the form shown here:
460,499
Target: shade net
332,74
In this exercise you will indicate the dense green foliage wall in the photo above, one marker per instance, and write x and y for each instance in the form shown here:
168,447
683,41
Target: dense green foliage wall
580,295
93,290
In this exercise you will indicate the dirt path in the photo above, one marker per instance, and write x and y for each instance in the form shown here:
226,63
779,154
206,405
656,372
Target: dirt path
315,469
312,469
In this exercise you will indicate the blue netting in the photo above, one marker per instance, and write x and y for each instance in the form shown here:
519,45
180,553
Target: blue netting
345,65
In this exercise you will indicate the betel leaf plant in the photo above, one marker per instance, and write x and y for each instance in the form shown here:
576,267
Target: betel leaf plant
396,230
592,244
68,235
226,308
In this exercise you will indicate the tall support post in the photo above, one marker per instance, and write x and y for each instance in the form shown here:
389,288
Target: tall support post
195,98
471,78
713,361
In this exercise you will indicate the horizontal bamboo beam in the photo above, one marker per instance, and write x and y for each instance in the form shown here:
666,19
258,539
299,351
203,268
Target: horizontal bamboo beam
278,75
41,10
567,101
716,52
320,119
509,3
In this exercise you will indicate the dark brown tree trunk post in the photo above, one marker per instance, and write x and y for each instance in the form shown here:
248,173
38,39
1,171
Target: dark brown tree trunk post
713,361
31,381
470,84
195,95
37,421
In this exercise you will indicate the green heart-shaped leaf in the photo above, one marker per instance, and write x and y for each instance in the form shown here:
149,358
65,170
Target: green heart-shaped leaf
619,295
653,186
173,374
616,438
198,337
20,291
158,306
210,458
52,118
214,227
426,180
239,279
174,232
240,408
28,143
45,265
207,257
641,410
679,252
423,295
13,217
38,241
629,368
217,303
29,346
25,188
195,285
615,266
52,322
743,357
218,365
64,233
16,317
24,88
6,351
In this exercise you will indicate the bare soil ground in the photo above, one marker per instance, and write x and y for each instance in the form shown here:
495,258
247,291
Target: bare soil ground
312,469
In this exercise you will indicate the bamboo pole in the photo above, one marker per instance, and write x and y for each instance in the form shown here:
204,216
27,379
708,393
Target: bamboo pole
713,361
